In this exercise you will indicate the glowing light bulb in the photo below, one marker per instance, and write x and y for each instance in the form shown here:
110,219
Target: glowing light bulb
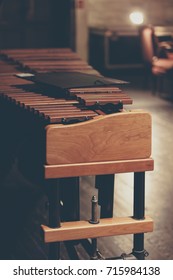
136,17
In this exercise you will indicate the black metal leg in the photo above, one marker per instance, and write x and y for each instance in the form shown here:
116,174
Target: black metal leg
105,185
54,215
139,212
139,195
70,198
70,210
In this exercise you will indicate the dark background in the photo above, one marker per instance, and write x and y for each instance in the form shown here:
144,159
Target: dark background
45,23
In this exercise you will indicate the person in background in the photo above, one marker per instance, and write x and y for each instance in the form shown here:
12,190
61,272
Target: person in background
161,65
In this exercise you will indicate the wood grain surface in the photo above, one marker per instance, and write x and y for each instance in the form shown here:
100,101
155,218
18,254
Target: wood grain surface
119,136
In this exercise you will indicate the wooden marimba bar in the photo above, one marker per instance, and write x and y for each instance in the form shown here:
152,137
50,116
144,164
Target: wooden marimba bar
86,131
55,110
48,60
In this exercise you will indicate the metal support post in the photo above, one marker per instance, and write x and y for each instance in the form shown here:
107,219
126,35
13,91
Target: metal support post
70,199
139,212
54,215
105,185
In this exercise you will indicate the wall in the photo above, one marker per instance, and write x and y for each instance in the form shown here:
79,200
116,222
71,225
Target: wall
114,13
35,23
123,49
81,28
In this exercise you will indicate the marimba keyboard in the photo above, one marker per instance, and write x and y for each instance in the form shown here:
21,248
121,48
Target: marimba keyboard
82,131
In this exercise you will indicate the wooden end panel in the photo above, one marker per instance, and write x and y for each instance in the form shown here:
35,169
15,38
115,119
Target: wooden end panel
106,227
120,136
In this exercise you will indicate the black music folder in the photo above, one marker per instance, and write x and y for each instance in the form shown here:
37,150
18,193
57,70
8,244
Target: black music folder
67,80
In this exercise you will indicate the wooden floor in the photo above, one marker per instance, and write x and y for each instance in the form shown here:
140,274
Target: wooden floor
23,206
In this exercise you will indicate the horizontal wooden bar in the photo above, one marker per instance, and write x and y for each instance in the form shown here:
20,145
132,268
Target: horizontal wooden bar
106,227
56,62
105,101
35,50
97,168
95,90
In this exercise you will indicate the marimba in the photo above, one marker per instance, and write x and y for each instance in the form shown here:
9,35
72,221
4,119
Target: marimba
59,137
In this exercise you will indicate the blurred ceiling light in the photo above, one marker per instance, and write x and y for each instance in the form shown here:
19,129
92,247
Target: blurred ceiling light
136,17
